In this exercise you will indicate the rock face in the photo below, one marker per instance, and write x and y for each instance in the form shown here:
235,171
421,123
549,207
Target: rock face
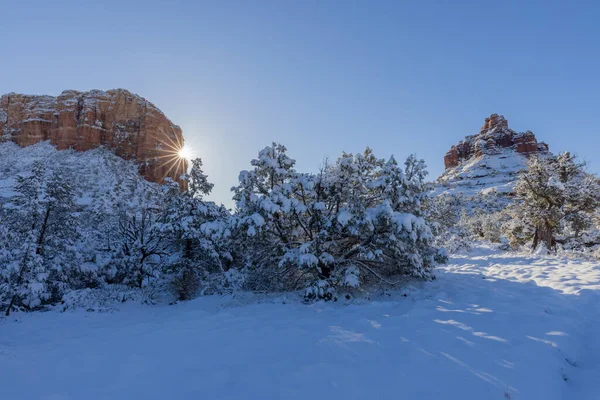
494,136
126,123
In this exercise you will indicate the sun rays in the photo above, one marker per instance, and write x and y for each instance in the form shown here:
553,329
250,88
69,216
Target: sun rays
172,156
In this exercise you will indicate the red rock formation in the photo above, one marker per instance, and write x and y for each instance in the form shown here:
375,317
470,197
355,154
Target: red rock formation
128,124
493,136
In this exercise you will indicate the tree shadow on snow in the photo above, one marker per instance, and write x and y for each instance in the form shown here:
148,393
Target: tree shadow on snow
493,336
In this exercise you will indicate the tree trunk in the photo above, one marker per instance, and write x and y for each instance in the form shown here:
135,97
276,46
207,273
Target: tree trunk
141,277
188,249
12,302
544,234
40,241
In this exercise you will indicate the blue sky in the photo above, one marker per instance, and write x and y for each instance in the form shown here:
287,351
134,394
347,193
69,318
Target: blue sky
322,77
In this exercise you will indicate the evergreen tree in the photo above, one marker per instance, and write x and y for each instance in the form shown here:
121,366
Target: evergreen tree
198,185
24,272
555,197
357,220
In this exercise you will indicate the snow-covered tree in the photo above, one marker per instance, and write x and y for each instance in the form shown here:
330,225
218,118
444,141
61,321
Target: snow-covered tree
143,244
358,220
41,236
194,249
198,184
59,233
555,199
415,186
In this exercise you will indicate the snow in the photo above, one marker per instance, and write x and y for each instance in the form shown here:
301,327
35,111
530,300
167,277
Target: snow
257,219
352,277
344,217
487,173
104,170
35,120
494,325
407,221
307,260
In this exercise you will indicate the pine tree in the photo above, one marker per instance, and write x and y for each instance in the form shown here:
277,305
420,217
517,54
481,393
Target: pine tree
415,186
25,276
198,185
193,249
59,233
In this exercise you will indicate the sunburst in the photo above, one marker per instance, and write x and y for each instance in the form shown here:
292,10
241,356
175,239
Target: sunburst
186,153
172,156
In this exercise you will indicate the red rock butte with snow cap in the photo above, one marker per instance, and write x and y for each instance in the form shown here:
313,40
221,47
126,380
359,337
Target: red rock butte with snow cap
129,125
493,136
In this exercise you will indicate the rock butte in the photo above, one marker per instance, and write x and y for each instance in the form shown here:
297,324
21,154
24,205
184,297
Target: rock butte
493,136
124,122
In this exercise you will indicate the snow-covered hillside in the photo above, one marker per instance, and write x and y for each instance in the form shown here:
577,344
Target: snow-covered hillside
487,174
494,325
95,173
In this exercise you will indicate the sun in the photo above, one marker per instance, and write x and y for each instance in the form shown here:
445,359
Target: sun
186,153
172,155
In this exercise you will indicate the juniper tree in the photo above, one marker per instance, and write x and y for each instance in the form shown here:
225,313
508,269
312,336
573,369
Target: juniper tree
358,220
555,196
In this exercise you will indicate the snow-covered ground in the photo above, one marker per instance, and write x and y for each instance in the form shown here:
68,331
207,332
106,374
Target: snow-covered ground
492,326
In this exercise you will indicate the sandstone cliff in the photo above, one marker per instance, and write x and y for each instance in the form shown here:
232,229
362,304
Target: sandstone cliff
493,136
124,122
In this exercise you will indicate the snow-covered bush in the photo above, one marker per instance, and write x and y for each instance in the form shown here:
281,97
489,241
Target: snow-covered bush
485,224
446,214
185,281
357,221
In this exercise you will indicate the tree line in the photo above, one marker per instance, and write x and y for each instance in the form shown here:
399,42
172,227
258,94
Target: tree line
360,222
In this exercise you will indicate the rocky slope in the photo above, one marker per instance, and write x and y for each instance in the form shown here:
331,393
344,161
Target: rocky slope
126,123
493,137
489,161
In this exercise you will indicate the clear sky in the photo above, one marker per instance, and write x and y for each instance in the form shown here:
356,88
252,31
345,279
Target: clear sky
322,77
